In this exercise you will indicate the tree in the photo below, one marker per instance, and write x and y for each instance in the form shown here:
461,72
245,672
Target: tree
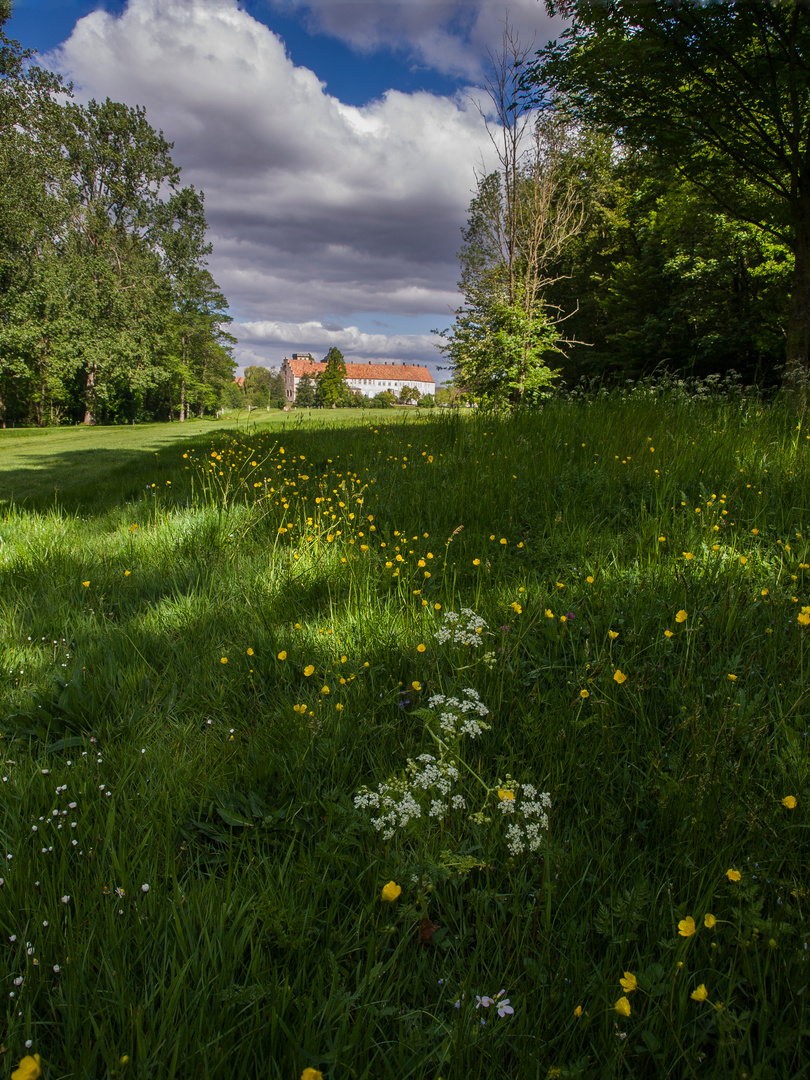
332,386
521,217
408,395
305,393
721,92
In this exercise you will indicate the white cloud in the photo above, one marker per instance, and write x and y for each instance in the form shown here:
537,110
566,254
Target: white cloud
318,210
451,36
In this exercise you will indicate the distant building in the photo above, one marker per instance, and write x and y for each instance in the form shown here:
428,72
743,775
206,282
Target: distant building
367,379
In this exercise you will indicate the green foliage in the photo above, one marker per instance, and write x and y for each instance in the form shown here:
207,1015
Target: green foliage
107,311
718,92
305,397
331,385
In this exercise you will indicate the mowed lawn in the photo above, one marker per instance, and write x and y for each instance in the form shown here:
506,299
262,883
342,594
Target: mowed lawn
404,745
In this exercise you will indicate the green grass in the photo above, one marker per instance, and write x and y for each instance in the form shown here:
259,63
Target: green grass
262,945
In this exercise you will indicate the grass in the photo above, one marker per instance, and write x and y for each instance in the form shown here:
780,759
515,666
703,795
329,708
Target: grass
160,616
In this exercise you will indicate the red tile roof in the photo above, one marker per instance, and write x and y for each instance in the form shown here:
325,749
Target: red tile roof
408,373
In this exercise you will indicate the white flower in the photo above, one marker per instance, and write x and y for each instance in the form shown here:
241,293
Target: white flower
65,899
144,888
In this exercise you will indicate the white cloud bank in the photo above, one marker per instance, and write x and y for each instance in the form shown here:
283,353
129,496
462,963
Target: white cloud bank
451,36
319,211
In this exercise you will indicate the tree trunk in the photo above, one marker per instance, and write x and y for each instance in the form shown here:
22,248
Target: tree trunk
90,393
797,351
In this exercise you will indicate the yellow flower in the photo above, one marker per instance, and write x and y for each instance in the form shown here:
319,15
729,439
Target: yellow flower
515,606
503,540
223,659
250,652
578,1011
391,891
622,1006
309,670
700,994
789,801
803,618
668,633
686,927
339,707
86,584
709,921
613,634
420,647
437,607
662,539
733,678
127,573
681,616
733,875
619,677
589,579
476,562
311,1074
282,655
629,983
549,613
324,689
416,684
584,694
505,793
28,1068
132,528
688,555
743,560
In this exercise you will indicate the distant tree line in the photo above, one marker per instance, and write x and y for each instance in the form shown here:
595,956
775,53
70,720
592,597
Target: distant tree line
108,312
651,205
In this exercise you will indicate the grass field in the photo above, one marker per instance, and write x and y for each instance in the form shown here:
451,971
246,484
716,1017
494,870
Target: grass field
569,646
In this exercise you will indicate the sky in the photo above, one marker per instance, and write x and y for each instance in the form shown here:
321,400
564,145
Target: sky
337,143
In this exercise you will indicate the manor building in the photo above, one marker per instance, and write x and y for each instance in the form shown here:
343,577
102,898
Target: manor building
367,379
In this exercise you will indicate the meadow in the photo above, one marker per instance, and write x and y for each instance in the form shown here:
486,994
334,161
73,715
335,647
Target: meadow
408,746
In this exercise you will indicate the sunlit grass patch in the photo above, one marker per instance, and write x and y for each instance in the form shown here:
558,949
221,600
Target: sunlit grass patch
214,669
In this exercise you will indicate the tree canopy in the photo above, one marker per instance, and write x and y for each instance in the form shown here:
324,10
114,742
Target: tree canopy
718,92
107,308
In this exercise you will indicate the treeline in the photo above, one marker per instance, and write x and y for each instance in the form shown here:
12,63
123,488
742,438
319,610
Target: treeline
649,210
108,312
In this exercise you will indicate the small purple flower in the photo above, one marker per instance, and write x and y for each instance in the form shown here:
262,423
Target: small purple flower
570,617
504,629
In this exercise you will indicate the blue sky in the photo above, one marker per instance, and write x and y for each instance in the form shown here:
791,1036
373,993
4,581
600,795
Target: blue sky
337,142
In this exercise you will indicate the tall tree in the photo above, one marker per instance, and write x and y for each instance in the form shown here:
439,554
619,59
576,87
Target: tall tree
521,217
332,388
305,396
721,92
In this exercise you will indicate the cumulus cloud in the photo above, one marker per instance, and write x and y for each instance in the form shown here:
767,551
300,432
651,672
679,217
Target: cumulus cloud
451,36
318,210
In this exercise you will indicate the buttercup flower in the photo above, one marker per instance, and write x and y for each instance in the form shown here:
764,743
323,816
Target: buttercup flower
681,616
668,633
391,891
619,677
311,1074
578,1011
622,1006
709,921
789,802
613,634
700,994
686,927
733,875
629,983
309,670
584,694
28,1069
